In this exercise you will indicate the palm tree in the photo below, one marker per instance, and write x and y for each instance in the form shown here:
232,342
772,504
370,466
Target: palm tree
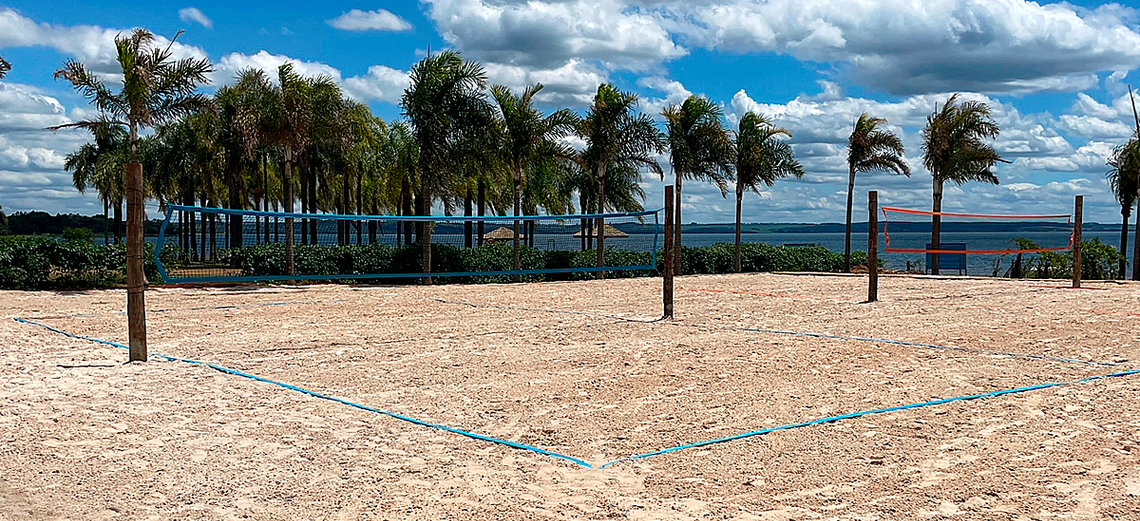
616,139
955,149
869,148
531,141
1124,178
699,148
155,90
445,104
99,165
761,157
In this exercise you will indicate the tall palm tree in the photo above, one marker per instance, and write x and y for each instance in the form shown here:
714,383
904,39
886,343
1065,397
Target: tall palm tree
94,165
616,138
869,148
955,149
156,89
761,157
1123,177
531,141
445,104
699,148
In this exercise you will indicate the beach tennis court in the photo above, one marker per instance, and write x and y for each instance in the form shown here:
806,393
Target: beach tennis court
770,396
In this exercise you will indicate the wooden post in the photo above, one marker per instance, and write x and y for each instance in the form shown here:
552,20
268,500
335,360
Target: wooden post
136,276
1078,210
872,246
667,268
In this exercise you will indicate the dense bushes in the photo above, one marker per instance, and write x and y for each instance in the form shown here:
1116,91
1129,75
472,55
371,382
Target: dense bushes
47,263
1099,261
269,259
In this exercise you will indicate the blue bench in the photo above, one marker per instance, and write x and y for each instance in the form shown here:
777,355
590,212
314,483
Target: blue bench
948,261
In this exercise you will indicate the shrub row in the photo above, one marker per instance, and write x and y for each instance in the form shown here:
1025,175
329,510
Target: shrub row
51,263
269,259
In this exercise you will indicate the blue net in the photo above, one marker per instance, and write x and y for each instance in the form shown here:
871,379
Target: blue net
213,245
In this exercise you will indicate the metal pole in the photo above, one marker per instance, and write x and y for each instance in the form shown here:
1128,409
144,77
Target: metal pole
1077,214
136,276
872,246
667,268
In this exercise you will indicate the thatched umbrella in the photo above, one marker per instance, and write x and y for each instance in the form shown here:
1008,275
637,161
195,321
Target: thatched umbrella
611,232
503,233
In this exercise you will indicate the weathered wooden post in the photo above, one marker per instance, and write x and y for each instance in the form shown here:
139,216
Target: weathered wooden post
136,276
1078,210
667,268
872,246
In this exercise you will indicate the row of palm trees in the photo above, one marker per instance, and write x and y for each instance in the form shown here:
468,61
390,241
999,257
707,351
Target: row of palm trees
265,143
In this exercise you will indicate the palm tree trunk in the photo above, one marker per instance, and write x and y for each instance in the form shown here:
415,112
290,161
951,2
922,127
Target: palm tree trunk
234,184
739,197
360,203
107,230
287,199
482,204
468,200
1124,242
847,230
677,226
936,225
517,262
1136,245
582,223
313,205
601,221
406,209
423,203
119,221
265,190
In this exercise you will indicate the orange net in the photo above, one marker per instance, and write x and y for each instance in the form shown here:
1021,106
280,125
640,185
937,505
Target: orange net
887,236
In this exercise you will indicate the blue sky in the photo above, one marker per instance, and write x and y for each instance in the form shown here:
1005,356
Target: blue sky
1055,74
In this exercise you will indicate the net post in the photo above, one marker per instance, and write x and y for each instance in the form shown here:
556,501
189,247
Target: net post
136,276
667,266
1078,210
872,246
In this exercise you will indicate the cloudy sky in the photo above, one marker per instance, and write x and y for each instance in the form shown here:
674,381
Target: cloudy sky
1055,75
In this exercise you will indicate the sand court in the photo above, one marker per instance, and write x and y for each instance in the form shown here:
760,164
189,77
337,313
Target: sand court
580,369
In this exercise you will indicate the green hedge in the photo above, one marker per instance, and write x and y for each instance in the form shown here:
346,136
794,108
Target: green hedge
269,259
51,263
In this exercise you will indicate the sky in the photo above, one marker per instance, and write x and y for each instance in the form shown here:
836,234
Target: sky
1055,75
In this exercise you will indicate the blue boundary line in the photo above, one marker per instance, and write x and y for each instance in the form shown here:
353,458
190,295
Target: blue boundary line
609,464
321,396
865,413
199,308
793,333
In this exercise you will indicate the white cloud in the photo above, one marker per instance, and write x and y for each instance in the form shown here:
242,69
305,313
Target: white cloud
92,45
193,14
674,91
547,35
227,69
378,20
574,83
382,83
907,47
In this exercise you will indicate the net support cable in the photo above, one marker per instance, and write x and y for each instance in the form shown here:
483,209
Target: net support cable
889,249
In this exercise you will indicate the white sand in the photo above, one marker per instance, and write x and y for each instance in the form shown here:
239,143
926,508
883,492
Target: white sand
88,437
